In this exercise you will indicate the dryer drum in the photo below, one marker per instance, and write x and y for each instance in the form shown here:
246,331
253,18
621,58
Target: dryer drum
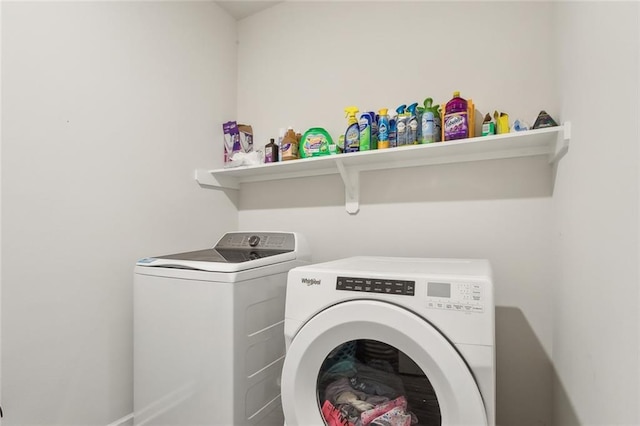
374,370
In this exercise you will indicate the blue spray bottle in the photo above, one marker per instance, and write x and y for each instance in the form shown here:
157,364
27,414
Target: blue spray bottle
393,134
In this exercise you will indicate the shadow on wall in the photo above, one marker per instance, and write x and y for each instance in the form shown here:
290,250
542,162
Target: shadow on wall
529,177
525,377
563,412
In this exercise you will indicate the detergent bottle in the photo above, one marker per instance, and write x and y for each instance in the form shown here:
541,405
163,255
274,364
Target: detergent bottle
289,148
456,119
352,134
383,129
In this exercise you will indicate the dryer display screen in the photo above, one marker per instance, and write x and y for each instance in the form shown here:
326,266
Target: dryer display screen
376,285
439,290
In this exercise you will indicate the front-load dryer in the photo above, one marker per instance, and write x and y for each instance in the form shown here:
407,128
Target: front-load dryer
209,331
399,341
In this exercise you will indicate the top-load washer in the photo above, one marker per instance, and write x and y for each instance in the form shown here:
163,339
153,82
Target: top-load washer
208,331
390,341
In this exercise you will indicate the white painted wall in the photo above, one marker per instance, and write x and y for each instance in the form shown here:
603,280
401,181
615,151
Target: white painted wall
301,63
595,344
107,109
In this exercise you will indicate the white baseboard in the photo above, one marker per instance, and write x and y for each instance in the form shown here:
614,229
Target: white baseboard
123,421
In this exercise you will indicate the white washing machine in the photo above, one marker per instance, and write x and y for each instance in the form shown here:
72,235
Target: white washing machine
208,331
365,332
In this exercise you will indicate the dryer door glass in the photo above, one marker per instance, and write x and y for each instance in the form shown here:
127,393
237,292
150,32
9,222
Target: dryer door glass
367,381
379,330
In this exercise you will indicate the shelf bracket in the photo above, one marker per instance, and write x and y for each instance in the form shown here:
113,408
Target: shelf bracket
562,143
205,178
351,180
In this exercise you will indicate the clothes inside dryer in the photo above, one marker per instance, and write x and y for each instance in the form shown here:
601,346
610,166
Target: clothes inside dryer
367,382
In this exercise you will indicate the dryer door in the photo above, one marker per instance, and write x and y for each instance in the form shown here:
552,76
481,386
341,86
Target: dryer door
458,396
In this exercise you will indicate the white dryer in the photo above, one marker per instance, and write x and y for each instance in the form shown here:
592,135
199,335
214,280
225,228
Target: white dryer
427,326
208,331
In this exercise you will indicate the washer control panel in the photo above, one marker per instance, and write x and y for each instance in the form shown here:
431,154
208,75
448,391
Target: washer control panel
257,240
376,285
464,297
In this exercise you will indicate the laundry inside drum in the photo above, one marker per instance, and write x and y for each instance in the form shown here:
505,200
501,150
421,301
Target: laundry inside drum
367,382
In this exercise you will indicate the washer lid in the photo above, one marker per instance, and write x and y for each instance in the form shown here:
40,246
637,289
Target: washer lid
236,251
458,394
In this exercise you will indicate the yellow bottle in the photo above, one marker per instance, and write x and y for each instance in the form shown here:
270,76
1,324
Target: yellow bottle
289,147
352,135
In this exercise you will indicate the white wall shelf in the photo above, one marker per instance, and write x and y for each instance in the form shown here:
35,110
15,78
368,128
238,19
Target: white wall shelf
551,141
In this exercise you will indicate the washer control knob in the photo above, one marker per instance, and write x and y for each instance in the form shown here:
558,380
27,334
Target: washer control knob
254,240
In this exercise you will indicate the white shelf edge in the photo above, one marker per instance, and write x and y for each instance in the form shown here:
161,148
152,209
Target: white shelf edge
562,144
207,178
349,166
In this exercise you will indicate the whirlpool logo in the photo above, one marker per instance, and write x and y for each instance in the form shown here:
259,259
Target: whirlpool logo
311,281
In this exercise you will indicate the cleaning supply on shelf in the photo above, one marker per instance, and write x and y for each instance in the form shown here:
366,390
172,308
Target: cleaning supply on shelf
317,142
429,131
401,125
281,134
383,129
231,140
246,137
289,147
520,125
365,124
412,124
437,124
419,115
544,120
374,130
502,122
393,133
488,126
271,152
341,144
352,134
456,118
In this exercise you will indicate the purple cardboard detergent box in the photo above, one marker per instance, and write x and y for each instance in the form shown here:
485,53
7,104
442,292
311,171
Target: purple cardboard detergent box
237,138
231,140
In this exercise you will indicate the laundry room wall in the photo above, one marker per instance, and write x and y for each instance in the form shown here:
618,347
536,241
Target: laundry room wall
596,323
107,109
301,63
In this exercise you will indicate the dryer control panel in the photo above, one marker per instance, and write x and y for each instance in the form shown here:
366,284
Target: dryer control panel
376,285
465,297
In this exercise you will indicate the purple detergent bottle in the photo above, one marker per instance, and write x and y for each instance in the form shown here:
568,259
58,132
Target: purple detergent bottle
456,119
